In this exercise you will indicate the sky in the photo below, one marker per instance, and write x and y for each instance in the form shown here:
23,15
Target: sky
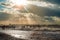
33,12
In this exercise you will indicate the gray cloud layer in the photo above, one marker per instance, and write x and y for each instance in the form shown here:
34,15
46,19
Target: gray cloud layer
51,1
4,16
41,11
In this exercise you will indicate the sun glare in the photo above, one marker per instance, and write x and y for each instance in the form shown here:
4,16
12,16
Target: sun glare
19,2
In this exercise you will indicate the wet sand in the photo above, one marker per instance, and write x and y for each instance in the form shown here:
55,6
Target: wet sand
29,35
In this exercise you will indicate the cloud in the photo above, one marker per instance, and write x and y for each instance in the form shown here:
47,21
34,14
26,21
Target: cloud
53,1
28,18
41,11
4,16
53,19
40,3
45,4
34,13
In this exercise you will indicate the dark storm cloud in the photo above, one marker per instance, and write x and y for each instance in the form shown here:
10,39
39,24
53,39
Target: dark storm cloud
4,16
53,1
42,11
50,12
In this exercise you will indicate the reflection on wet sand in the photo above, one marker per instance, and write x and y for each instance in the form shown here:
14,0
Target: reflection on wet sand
29,35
